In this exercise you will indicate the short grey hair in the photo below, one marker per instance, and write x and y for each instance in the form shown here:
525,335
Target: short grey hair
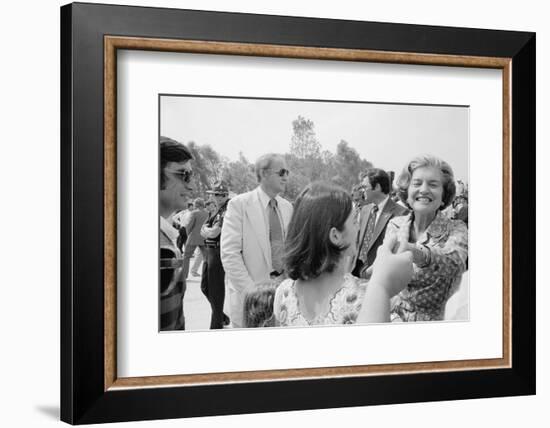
264,162
447,175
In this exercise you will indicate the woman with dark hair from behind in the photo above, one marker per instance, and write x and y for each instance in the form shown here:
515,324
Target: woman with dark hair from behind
319,250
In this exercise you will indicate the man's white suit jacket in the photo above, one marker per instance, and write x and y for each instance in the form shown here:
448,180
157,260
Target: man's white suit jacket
245,248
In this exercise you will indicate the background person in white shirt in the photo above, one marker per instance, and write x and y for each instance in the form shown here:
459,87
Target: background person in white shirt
253,232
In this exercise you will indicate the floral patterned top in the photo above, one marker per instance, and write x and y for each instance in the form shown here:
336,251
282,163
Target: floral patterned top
343,307
425,296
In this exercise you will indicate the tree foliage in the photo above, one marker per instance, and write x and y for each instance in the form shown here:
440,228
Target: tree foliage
306,160
206,167
348,165
304,143
239,175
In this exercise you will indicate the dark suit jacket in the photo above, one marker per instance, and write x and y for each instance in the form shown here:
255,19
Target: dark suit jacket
193,225
391,209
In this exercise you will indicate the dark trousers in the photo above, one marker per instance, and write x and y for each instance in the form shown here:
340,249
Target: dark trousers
213,285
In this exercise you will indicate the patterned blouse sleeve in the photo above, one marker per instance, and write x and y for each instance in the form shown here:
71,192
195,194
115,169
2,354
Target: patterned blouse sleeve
277,302
450,258
350,305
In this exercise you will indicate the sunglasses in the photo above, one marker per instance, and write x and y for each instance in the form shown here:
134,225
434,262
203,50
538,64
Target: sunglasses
282,172
185,175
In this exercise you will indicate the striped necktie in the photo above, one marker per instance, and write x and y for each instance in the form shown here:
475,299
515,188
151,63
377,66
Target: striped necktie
369,232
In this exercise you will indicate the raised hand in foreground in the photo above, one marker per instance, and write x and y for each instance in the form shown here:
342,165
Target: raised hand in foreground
391,273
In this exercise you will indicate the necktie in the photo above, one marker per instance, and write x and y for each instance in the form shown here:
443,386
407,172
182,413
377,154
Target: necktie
275,237
369,232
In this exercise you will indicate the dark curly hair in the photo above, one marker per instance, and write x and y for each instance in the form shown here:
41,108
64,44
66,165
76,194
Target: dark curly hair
308,249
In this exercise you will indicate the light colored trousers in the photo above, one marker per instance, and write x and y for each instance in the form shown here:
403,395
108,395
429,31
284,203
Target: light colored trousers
188,252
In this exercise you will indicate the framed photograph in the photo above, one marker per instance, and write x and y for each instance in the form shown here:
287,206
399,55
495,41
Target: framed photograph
276,213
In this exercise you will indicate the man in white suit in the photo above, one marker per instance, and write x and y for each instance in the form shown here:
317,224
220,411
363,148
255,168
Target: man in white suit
253,233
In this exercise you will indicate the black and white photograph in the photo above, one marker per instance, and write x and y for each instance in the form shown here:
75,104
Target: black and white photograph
309,212
207,200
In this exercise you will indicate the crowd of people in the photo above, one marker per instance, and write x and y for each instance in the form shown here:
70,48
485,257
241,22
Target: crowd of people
378,253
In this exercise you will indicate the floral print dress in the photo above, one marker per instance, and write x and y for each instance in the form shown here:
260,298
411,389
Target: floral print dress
425,296
343,307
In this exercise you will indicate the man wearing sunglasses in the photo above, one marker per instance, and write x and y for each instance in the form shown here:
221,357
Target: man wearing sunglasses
253,234
175,189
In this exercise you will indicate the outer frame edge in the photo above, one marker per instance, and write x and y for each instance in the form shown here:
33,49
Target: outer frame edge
523,219
66,304
102,411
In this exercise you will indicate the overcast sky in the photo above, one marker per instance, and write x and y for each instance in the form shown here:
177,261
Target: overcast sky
388,135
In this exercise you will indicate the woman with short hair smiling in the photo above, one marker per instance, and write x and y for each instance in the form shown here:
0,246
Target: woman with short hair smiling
439,246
